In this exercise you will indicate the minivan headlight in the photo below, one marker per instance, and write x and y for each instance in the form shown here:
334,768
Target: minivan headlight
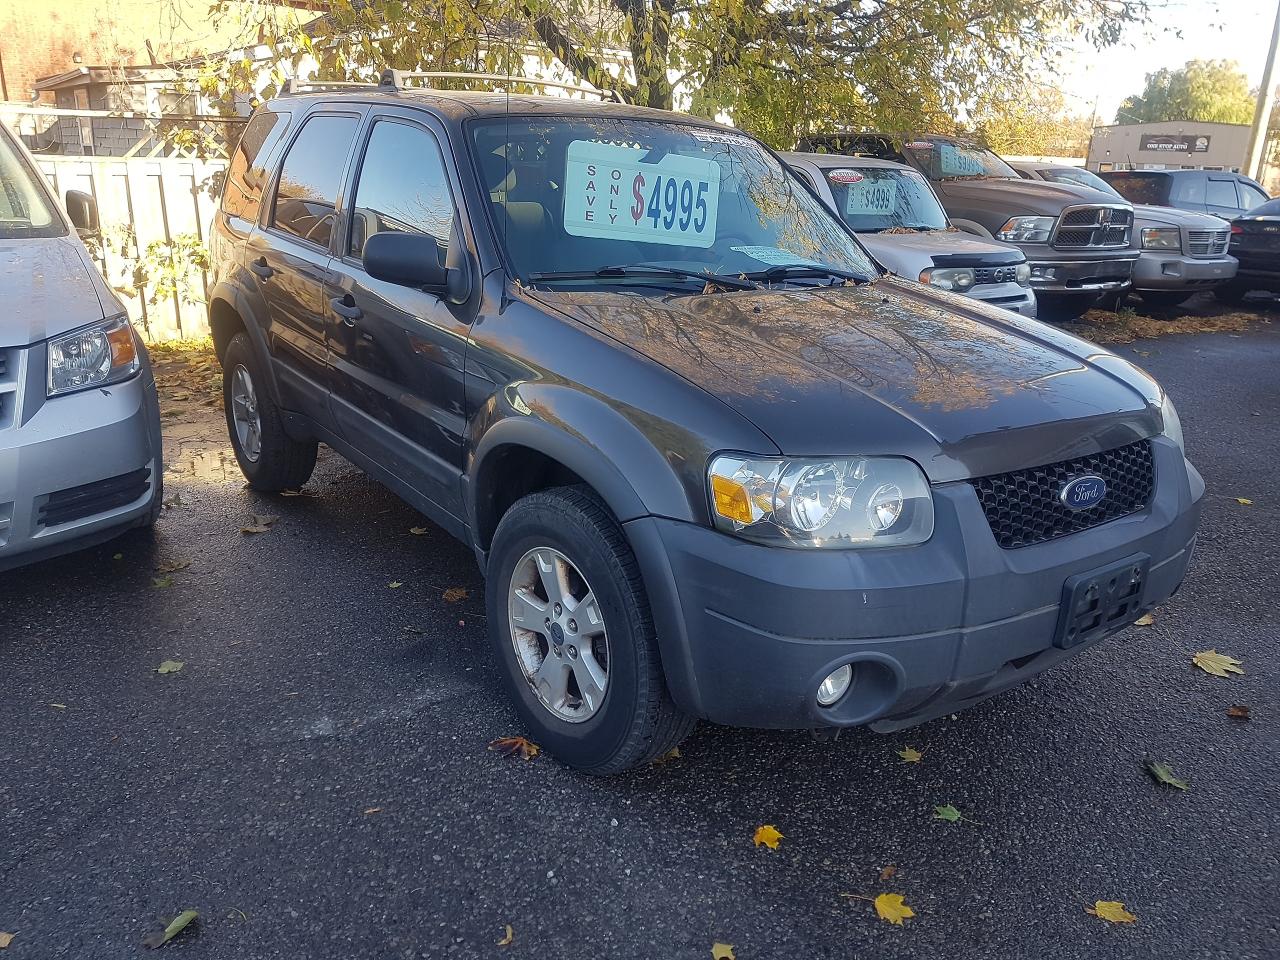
831,503
93,356
1026,230
1172,424
949,278
1161,238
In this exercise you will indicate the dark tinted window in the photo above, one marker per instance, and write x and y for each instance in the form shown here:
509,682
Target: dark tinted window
1250,196
1222,193
403,187
1188,191
1152,188
309,180
246,177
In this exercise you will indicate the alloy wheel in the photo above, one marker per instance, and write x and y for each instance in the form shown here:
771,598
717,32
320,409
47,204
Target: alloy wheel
245,414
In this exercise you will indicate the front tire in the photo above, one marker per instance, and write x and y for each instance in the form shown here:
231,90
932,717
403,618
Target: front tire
570,625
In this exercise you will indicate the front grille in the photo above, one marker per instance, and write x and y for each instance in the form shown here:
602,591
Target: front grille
1207,243
1024,507
1093,227
995,275
8,387
76,503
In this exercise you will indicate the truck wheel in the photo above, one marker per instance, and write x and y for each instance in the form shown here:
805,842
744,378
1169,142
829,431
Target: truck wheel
1166,298
270,459
575,642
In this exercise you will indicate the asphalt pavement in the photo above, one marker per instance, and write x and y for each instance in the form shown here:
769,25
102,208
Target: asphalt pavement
315,780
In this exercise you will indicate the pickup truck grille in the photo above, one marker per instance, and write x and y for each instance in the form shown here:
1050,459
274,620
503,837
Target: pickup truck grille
1024,507
1207,243
8,387
1093,227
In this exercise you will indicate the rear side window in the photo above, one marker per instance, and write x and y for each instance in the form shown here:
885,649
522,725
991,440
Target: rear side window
1152,188
307,195
1222,193
403,187
1189,190
246,176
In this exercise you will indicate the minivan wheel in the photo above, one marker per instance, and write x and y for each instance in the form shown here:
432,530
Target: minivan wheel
571,628
270,459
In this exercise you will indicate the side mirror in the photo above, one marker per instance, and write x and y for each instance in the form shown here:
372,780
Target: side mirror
406,259
83,211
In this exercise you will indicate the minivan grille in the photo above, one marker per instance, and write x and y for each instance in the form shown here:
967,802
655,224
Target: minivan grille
1207,243
995,274
76,503
1024,507
1093,227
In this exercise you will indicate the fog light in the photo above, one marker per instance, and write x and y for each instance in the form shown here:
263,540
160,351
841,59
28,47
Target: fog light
835,685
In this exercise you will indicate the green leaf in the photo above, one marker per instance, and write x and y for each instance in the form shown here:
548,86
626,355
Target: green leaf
175,927
1163,774
947,813
160,583
170,666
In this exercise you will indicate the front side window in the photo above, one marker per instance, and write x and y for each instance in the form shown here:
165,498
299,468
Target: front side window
24,207
582,194
1221,193
403,187
242,195
307,195
943,159
874,199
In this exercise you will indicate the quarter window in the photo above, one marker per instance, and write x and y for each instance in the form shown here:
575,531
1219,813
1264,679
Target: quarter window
245,178
307,195
403,187
1250,196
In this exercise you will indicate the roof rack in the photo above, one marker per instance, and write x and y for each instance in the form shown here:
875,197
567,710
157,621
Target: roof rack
395,79
294,86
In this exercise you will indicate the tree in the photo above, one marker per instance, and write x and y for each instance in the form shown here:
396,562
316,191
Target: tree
777,67
1209,91
1039,126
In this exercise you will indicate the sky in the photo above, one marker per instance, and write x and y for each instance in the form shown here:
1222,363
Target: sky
1183,30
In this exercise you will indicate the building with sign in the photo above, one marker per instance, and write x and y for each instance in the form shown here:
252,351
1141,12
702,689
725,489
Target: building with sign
1170,145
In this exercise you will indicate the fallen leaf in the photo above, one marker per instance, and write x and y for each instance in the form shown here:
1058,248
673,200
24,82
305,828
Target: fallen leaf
161,583
372,810
515,746
1238,712
454,594
1145,620
509,939
910,755
947,813
890,906
258,524
175,927
297,493
1244,501
1218,664
887,873
722,951
1163,774
118,556
170,666
174,501
173,566
768,835
395,585
417,531
58,706
5,940
672,754
1112,911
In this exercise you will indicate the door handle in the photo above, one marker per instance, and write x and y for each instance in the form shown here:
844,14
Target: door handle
346,308
261,269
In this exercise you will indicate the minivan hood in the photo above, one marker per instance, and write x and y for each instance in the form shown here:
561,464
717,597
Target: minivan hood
1025,197
49,287
891,367
906,254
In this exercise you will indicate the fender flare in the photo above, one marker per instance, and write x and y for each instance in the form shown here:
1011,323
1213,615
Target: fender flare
233,296
972,226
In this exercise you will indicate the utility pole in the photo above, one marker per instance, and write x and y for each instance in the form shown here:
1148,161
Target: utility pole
1262,115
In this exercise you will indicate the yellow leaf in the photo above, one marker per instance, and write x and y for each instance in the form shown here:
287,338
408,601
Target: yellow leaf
1112,911
417,531
1244,501
170,666
1218,664
454,594
722,951
515,746
395,585
768,835
509,939
672,754
5,940
1145,620
890,906
910,755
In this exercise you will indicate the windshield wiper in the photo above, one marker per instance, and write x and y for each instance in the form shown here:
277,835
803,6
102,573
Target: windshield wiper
797,271
643,270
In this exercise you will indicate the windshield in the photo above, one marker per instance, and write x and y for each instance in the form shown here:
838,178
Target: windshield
943,159
1149,188
1081,178
578,195
24,209
872,199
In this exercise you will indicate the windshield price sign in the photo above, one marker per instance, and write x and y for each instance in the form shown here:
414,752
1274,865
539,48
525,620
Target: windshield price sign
612,193
871,197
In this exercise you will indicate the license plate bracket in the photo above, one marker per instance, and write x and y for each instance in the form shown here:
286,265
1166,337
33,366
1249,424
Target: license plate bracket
1098,602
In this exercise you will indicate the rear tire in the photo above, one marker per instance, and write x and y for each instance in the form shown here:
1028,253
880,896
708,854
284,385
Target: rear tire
564,543
1166,298
270,459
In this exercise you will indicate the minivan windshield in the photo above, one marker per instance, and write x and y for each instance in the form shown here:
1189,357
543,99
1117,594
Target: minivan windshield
24,208
604,201
874,199
941,158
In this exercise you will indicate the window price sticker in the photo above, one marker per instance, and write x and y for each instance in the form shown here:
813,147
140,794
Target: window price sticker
871,197
611,194
957,162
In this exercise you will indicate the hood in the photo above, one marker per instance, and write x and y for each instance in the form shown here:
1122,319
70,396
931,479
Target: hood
50,286
906,254
1016,197
887,368
1147,215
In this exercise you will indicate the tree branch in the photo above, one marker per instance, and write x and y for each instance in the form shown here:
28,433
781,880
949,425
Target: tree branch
582,64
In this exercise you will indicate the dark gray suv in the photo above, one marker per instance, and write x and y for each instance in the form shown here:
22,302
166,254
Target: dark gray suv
713,462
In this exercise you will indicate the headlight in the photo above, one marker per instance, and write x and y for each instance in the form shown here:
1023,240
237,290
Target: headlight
1172,423
855,502
93,357
1027,229
1023,274
948,278
1161,238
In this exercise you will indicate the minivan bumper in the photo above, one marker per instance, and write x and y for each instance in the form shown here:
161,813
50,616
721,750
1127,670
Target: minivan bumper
747,632
78,469
1157,271
1009,296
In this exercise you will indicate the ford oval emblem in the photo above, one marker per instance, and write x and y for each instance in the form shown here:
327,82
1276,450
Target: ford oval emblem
1083,492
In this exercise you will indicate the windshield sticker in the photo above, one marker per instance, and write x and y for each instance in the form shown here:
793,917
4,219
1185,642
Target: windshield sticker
845,176
920,145
776,256
876,197
953,162
611,194
716,136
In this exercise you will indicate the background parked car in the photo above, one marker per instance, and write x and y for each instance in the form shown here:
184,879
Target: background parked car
1075,239
80,454
1181,252
1219,192
899,220
1255,242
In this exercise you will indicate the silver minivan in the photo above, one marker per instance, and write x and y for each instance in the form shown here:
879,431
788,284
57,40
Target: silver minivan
80,451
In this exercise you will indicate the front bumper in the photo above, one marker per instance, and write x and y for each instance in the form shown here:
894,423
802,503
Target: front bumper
1052,272
1160,270
1010,296
747,632
77,469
